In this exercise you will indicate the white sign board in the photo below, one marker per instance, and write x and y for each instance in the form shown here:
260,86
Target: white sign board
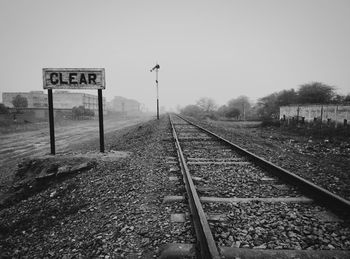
74,78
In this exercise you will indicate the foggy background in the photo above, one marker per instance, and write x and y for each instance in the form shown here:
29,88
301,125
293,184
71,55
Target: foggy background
217,49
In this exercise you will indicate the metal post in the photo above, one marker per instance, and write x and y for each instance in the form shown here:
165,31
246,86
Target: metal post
156,67
100,118
157,94
51,122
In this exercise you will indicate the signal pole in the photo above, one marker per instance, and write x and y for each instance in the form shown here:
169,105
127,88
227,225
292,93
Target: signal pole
156,68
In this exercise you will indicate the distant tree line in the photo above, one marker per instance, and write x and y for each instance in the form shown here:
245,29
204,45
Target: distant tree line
311,93
237,108
267,107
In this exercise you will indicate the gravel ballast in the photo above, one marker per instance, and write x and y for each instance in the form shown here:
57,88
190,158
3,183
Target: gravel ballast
249,208
260,225
324,161
240,181
113,210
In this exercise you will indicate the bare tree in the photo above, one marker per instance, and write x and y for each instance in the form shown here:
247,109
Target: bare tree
207,104
240,103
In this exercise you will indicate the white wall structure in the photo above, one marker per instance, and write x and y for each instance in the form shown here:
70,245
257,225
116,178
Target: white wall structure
334,114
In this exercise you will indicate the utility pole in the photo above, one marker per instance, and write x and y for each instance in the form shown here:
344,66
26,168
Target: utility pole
156,68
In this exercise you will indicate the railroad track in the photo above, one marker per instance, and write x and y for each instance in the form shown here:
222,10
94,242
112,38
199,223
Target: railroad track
243,206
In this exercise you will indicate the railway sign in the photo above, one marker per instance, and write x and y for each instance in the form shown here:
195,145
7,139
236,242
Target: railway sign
74,78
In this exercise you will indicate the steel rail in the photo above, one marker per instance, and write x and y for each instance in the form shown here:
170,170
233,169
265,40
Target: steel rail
337,204
207,246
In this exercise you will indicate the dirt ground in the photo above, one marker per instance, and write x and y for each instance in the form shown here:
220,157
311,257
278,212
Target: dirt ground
16,146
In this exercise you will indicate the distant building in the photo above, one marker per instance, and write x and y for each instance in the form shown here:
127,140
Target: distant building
123,105
67,100
61,100
36,99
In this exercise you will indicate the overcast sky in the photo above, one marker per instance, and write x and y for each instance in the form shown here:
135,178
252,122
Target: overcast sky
217,49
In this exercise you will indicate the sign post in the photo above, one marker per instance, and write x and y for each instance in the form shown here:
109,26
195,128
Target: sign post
51,122
74,78
100,118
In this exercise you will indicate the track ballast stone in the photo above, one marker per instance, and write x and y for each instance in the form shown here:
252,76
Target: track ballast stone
114,210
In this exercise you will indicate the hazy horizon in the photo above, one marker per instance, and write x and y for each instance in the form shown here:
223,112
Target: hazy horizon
216,49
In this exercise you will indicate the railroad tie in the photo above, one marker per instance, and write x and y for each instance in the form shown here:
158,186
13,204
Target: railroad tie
217,163
300,199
